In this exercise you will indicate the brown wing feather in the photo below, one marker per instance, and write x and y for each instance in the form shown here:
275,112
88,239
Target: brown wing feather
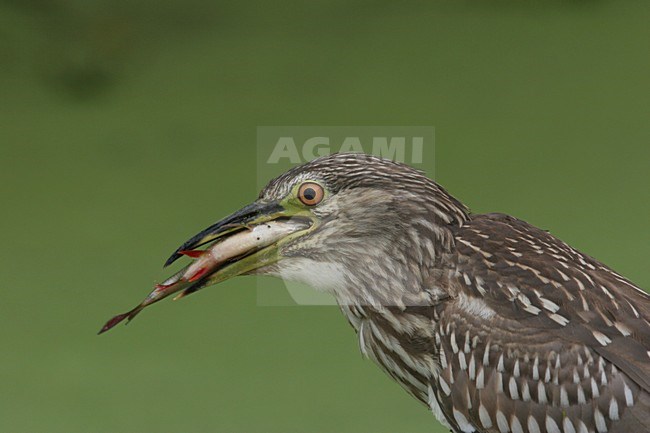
532,298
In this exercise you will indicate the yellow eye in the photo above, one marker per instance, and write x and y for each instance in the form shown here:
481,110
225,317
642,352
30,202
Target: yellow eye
310,193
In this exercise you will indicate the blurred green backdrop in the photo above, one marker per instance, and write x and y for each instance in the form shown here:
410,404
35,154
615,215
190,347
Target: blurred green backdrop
125,127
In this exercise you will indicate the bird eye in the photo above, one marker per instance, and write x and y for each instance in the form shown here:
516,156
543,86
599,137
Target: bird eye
310,193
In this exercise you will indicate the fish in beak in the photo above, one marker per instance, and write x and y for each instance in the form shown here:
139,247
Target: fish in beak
238,244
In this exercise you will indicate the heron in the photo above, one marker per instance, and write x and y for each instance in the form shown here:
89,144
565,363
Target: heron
493,324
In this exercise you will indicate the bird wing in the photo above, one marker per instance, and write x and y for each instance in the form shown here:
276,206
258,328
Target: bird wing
539,334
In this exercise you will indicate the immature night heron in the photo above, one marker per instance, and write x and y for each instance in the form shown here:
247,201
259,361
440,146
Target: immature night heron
495,325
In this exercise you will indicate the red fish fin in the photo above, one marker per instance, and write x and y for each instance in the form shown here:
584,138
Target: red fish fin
198,274
120,318
192,253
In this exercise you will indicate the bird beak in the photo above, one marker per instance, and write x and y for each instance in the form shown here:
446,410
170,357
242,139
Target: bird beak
247,240
254,213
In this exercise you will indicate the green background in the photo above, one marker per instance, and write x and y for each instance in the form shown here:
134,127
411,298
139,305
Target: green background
126,127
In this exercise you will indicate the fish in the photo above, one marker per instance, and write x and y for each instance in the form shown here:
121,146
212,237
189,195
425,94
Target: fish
247,240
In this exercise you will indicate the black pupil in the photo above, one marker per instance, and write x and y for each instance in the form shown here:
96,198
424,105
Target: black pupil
309,194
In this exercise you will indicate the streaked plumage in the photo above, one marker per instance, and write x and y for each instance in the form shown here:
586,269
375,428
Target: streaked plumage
495,325
518,332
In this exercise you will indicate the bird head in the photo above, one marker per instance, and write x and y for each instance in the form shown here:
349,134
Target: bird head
362,228
367,222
